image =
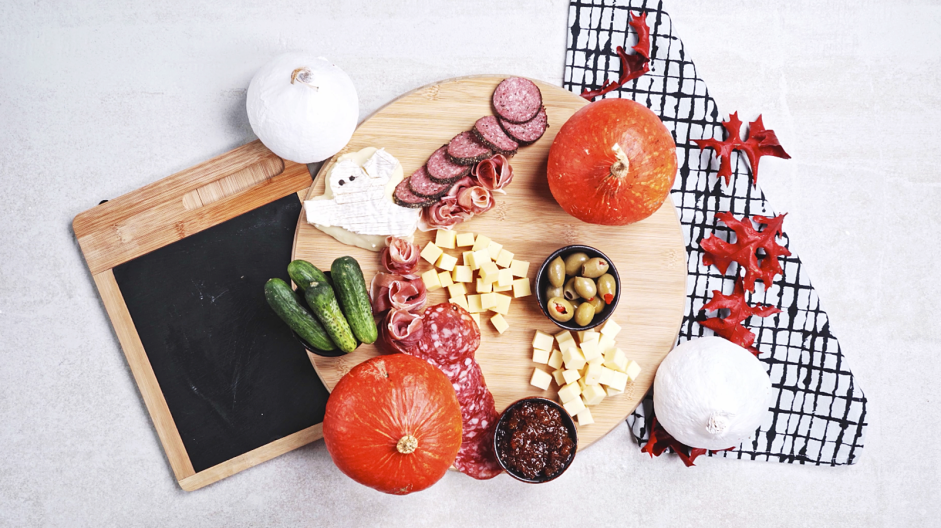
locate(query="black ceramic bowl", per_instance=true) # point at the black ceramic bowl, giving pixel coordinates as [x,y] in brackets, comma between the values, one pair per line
[502,427]
[542,281]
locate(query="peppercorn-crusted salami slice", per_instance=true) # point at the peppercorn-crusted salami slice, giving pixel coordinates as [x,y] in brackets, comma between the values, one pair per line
[465,149]
[527,133]
[404,197]
[442,170]
[452,335]
[488,131]
[420,184]
[517,99]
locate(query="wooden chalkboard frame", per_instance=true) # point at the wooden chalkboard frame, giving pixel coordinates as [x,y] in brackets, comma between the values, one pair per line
[159,214]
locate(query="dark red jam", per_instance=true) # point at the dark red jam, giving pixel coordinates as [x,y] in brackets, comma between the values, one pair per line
[534,442]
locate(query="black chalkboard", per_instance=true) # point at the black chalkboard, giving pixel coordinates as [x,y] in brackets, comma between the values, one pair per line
[232,374]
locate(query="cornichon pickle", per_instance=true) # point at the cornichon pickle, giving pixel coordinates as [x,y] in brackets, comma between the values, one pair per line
[607,287]
[585,288]
[584,314]
[569,290]
[553,291]
[560,309]
[594,267]
[573,263]
[597,303]
[556,272]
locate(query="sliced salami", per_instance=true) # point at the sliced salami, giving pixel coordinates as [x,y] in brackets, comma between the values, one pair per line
[488,131]
[451,335]
[420,184]
[465,149]
[517,99]
[527,133]
[404,197]
[442,170]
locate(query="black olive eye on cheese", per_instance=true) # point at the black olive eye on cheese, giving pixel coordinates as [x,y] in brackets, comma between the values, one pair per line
[342,182]
[352,178]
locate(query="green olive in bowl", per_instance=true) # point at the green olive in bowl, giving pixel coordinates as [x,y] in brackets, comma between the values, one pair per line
[560,309]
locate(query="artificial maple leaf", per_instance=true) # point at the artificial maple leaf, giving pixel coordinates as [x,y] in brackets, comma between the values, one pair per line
[730,326]
[632,66]
[660,440]
[744,250]
[760,142]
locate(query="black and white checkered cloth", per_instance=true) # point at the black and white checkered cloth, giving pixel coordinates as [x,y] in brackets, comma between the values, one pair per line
[819,412]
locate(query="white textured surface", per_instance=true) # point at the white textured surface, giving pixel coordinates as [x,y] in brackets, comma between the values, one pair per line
[97,99]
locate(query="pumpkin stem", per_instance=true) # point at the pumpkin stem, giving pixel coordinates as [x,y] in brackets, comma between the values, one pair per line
[620,168]
[303,76]
[407,444]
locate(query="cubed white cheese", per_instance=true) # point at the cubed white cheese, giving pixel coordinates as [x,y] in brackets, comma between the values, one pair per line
[573,358]
[555,359]
[481,242]
[503,304]
[465,239]
[588,335]
[499,323]
[610,328]
[593,374]
[505,278]
[607,376]
[457,289]
[498,288]
[593,394]
[606,343]
[460,300]
[430,278]
[559,380]
[569,392]
[476,318]
[615,360]
[481,256]
[564,334]
[633,370]
[618,380]
[540,356]
[521,288]
[611,391]
[489,271]
[445,238]
[504,259]
[444,278]
[462,274]
[470,261]
[494,249]
[590,350]
[520,268]
[574,407]
[542,340]
[446,262]
[488,300]
[431,253]
[484,287]
[473,304]
[541,379]
[570,375]
[584,417]
[567,344]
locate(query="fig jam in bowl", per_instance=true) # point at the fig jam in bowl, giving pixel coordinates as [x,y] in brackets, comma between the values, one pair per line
[535,440]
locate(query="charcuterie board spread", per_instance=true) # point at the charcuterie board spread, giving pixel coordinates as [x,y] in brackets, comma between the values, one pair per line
[649,255]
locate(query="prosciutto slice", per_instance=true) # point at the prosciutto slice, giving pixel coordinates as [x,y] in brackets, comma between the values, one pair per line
[400,331]
[494,173]
[399,256]
[475,200]
[403,292]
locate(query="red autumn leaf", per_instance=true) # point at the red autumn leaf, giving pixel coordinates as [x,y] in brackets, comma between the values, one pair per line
[760,142]
[660,440]
[632,66]
[730,326]
[744,250]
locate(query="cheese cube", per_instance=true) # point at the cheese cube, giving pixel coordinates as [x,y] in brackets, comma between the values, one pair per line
[563,335]
[590,350]
[570,375]
[488,300]
[481,242]
[444,278]
[494,249]
[607,376]
[465,239]
[593,374]
[489,271]
[618,380]
[430,278]
[445,238]
[606,343]
[559,380]
[498,288]
[446,262]
[520,268]
[521,288]
[473,304]
[484,287]
[540,356]
[460,300]
[569,392]
[615,359]
[584,417]
[610,328]
[593,394]
[504,259]
[431,253]
[573,358]
[611,391]
[542,340]
[462,274]
[632,370]
[476,318]
[470,261]
[588,335]
[541,379]
[597,361]
[555,360]
[505,278]
[581,383]
[499,323]
[457,289]
[503,304]
[481,256]
[574,407]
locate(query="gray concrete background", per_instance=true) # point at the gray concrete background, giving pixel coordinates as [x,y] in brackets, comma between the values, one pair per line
[98,98]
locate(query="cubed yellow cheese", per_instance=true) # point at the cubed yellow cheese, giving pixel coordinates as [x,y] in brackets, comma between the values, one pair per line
[574,407]
[504,259]
[540,356]
[567,344]
[607,376]
[593,394]
[584,417]
[445,238]
[590,350]
[481,256]
[430,278]
[465,239]
[569,392]
[484,287]
[503,304]
[489,271]
[581,383]
[498,288]
[457,289]
[615,359]
[462,274]
[610,328]
[555,360]
[446,262]
[473,304]
[469,260]
[499,323]
[573,358]
[588,335]
[593,374]
[488,300]
[541,379]
[481,242]
[542,340]
[504,278]
[431,253]
[559,380]
[521,288]
[563,335]
[460,300]
[520,268]
[444,278]
[606,343]
[570,375]
[618,380]
[611,391]
[494,249]
[632,370]
[476,318]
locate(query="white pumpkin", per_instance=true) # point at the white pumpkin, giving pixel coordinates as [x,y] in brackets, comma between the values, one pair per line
[711,394]
[303,108]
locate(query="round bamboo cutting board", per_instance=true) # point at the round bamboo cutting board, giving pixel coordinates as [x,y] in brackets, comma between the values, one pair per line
[649,255]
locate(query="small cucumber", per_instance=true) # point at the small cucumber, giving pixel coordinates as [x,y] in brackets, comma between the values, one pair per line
[350,288]
[323,302]
[287,304]
[303,273]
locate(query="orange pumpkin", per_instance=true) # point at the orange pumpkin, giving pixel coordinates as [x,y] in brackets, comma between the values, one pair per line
[393,423]
[613,163]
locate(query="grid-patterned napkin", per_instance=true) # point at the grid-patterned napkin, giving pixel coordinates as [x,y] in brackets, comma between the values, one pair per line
[819,412]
